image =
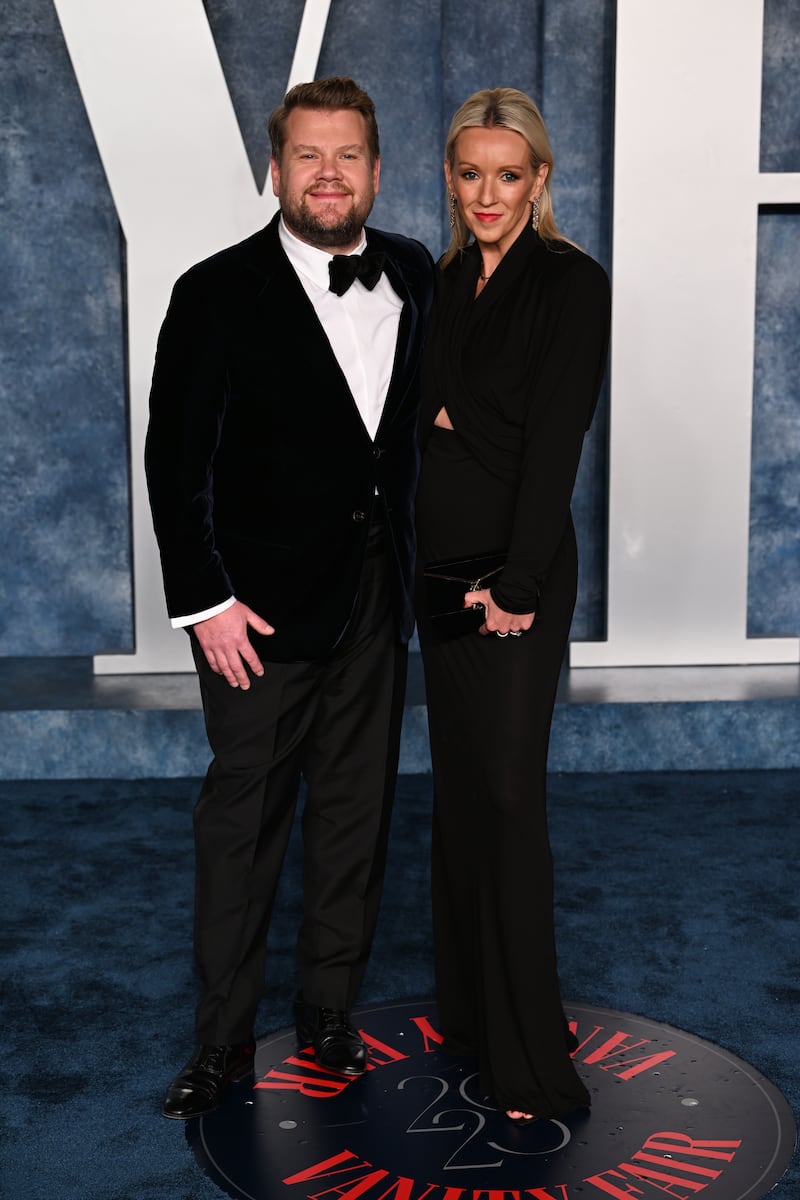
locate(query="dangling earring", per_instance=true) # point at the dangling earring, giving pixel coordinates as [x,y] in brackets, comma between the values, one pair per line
[452,210]
[535,213]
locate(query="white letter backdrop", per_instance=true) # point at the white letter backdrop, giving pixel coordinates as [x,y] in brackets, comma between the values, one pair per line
[686,196]
[178,171]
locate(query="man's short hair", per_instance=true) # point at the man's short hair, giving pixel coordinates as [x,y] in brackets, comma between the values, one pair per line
[336,92]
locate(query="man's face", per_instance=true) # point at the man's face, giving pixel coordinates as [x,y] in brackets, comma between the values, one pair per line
[326,182]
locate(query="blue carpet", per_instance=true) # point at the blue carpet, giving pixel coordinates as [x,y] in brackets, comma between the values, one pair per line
[677,898]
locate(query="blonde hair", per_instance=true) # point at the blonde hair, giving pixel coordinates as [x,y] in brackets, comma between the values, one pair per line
[504,108]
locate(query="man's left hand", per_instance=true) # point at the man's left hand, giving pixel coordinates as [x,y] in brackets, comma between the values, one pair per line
[227,648]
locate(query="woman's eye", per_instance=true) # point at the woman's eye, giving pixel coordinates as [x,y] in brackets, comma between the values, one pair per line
[509,177]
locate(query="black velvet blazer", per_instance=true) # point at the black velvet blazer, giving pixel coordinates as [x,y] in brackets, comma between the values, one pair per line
[261,473]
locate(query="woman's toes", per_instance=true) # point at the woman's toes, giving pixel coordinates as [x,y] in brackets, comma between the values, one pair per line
[521,1118]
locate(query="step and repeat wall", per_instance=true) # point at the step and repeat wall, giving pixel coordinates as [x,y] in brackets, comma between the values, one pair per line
[134,143]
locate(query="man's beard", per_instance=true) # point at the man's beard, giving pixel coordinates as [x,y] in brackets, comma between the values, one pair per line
[312,229]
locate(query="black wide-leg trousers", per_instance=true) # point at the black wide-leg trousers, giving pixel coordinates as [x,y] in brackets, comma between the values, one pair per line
[336,723]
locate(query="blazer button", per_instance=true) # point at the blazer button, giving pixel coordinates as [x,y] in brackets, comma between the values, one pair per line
[358,515]
[376,452]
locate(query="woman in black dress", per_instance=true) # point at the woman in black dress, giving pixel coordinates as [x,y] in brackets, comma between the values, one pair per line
[515,360]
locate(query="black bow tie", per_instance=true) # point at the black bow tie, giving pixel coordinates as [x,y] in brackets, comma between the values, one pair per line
[345,268]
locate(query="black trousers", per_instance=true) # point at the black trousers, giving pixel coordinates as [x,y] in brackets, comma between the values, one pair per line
[336,722]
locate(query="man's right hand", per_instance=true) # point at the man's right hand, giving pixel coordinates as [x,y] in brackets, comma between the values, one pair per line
[226,645]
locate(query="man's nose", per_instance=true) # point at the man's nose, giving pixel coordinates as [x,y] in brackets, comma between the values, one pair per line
[329,167]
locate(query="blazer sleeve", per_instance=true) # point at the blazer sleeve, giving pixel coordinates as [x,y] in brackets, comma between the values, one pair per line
[564,391]
[187,404]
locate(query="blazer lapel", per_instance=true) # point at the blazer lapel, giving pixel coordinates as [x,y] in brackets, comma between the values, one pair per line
[282,301]
[282,309]
[406,337]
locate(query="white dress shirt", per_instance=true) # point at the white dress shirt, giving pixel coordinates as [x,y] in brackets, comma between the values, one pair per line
[362,328]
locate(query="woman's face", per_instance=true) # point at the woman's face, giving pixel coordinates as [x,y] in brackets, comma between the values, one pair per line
[494,183]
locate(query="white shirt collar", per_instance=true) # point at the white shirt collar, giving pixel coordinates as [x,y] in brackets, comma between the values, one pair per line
[309,260]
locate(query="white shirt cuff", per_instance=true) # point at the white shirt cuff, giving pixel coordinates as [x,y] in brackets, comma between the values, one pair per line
[195,618]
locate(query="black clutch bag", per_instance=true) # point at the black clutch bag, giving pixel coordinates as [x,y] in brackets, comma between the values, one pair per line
[445,585]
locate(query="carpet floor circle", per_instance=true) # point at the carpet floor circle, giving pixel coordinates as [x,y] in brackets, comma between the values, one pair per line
[672,1116]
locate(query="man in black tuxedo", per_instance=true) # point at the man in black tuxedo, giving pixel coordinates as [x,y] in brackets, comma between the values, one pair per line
[281,465]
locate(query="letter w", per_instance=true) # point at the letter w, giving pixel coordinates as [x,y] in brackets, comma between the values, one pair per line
[173,154]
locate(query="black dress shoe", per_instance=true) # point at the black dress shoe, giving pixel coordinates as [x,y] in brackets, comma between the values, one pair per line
[337,1046]
[199,1087]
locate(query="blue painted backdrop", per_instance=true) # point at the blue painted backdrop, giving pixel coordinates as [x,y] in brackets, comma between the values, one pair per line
[64,518]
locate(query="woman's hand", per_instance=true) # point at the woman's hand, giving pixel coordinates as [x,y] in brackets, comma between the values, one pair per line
[498,621]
